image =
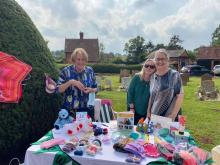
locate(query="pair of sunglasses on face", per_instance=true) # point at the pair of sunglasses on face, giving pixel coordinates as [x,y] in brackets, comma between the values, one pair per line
[149,66]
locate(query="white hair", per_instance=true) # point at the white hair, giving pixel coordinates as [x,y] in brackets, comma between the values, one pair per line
[164,52]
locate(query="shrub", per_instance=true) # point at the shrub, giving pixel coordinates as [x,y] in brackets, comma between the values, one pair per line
[23,123]
[107,68]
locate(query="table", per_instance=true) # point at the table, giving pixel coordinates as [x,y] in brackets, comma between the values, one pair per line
[107,157]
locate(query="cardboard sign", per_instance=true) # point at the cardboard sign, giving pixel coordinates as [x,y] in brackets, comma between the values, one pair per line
[81,116]
[125,120]
[165,122]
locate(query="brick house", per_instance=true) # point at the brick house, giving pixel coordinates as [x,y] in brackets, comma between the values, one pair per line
[90,45]
[208,56]
[178,58]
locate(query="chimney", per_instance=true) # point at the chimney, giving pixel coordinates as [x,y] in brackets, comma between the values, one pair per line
[81,35]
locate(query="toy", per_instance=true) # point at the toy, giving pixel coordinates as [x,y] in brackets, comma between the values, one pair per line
[68,147]
[144,127]
[98,131]
[63,118]
[93,148]
[79,126]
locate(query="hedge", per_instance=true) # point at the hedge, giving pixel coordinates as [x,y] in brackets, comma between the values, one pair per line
[23,123]
[107,68]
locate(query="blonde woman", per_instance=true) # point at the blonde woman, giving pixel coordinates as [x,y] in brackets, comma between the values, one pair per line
[139,91]
[77,81]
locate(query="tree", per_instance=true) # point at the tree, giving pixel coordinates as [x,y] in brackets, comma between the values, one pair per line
[101,51]
[216,37]
[174,43]
[191,55]
[136,50]
[23,123]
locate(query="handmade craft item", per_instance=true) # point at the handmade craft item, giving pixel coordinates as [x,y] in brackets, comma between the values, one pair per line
[52,142]
[63,118]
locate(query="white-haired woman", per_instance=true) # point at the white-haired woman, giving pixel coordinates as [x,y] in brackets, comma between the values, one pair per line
[77,81]
[165,88]
[139,91]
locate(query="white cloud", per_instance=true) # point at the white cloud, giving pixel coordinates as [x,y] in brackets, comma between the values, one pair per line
[114,22]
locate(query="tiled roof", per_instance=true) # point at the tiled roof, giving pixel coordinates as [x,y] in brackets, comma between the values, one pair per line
[90,45]
[208,53]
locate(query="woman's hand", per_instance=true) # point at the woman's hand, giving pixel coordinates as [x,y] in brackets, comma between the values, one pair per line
[131,106]
[89,90]
[78,84]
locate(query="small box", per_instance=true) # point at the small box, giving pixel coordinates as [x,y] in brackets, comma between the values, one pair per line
[125,120]
[179,138]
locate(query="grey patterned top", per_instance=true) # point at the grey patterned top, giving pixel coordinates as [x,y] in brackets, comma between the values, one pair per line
[163,90]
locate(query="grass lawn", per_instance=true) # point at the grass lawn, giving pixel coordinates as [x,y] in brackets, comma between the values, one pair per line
[203,118]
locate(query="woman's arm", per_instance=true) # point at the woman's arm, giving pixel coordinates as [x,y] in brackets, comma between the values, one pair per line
[69,83]
[179,95]
[130,98]
[177,105]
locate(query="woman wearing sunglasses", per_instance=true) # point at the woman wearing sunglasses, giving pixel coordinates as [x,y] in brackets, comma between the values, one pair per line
[139,91]
[165,88]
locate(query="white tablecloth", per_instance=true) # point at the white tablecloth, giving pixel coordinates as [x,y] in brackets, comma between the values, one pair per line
[106,157]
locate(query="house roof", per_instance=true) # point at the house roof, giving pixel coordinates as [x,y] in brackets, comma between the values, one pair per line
[172,53]
[208,53]
[90,45]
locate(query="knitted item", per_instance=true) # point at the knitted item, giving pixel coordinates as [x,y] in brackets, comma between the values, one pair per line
[133,159]
[119,146]
[135,148]
[68,147]
[51,143]
[200,155]
[168,146]
[164,152]
[78,153]
[188,159]
[163,132]
[151,150]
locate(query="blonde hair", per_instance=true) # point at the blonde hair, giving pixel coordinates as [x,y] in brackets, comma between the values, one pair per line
[164,52]
[80,51]
[141,73]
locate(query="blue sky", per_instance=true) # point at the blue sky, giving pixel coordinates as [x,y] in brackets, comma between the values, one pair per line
[114,22]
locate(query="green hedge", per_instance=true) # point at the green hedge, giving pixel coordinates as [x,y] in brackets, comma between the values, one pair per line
[107,68]
[23,123]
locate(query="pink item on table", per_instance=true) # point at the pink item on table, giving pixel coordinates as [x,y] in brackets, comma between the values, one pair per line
[52,142]
[151,150]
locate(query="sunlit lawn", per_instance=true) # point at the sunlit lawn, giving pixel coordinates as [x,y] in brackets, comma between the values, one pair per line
[203,118]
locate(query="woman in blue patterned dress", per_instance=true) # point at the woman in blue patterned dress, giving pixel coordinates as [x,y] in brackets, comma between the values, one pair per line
[76,82]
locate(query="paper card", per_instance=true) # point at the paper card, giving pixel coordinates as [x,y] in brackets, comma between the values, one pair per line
[81,115]
[125,120]
[165,122]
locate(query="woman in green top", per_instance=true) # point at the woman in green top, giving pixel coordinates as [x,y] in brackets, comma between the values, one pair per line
[139,91]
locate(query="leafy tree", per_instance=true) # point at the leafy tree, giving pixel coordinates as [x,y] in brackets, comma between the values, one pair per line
[191,55]
[23,123]
[216,37]
[101,51]
[174,43]
[118,60]
[136,50]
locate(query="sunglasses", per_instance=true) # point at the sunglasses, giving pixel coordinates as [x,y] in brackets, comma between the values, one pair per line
[150,66]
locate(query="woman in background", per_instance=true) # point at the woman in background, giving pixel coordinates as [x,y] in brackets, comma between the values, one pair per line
[139,91]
